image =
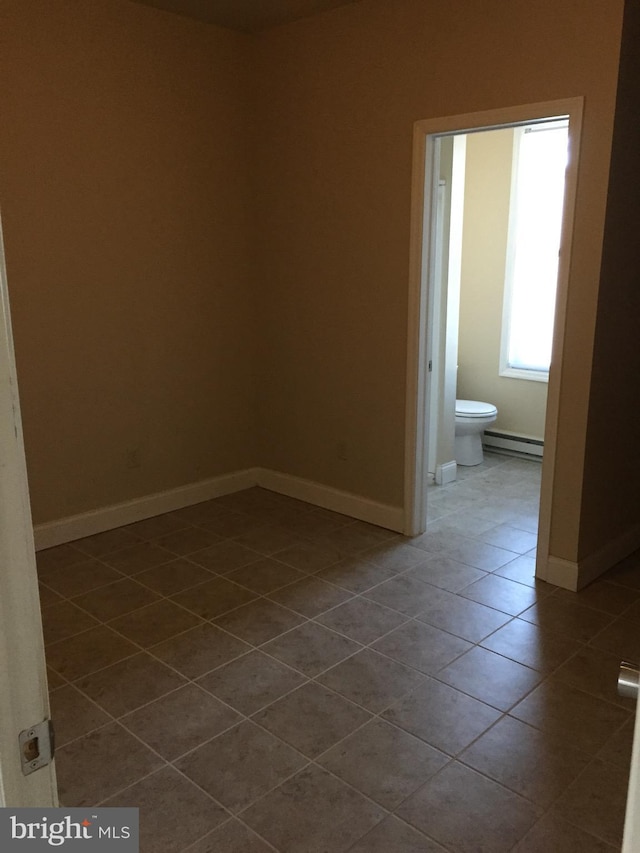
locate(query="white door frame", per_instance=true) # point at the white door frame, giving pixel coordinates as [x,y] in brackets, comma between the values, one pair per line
[631,838]
[443,309]
[421,247]
[433,334]
[24,698]
[424,179]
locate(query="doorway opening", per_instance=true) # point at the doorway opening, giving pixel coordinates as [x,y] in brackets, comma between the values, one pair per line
[442,150]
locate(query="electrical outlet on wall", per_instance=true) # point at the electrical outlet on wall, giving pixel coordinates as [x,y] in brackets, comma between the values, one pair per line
[132,458]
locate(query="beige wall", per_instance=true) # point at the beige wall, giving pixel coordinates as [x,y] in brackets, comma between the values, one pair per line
[611,506]
[127,199]
[124,193]
[337,99]
[521,402]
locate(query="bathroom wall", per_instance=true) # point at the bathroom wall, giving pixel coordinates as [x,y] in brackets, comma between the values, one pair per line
[125,190]
[521,402]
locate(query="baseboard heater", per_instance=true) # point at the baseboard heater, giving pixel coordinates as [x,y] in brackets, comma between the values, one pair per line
[512,443]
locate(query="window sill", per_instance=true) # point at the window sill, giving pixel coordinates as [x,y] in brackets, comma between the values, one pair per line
[531,375]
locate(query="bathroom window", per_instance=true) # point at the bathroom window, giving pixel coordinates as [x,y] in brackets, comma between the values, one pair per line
[535,219]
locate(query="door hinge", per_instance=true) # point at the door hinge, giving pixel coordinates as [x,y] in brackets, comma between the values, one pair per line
[430,365]
[37,746]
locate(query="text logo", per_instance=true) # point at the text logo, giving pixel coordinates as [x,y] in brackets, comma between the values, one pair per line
[73,830]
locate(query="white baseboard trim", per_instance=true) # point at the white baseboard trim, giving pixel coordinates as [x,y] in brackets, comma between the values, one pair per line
[446,473]
[107,518]
[595,564]
[576,575]
[562,573]
[383,515]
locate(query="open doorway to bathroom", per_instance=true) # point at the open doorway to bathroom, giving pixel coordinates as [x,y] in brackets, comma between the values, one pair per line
[467,318]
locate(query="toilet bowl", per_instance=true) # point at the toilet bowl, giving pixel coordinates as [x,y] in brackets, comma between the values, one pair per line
[472,418]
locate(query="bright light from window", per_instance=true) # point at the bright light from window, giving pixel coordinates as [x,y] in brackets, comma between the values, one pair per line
[535,243]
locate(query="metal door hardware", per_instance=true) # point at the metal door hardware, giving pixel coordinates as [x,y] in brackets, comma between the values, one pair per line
[37,745]
[628,679]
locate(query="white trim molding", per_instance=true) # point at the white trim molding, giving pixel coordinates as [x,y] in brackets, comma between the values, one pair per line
[425,175]
[576,575]
[446,473]
[364,509]
[107,518]
[562,573]
[24,698]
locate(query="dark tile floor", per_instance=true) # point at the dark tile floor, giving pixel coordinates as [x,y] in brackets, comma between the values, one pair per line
[256,674]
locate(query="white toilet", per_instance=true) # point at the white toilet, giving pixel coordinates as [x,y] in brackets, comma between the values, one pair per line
[472,418]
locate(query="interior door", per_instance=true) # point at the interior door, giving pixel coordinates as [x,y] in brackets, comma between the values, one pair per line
[631,841]
[24,698]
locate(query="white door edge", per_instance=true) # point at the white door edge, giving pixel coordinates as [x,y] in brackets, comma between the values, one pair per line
[23,681]
[423,177]
[631,838]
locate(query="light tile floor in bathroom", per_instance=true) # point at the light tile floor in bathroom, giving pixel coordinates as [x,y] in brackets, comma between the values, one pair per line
[256,674]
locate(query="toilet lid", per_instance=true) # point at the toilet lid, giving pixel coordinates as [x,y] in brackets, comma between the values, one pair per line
[474,409]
